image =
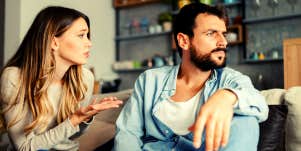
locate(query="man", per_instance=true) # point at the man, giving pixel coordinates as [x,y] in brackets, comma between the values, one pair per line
[197,105]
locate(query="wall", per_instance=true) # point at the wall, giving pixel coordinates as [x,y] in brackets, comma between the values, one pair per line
[20,14]
[1,32]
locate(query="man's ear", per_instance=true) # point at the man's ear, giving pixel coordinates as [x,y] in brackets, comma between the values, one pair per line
[184,41]
[54,43]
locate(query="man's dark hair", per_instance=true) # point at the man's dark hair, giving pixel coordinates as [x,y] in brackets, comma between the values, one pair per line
[184,21]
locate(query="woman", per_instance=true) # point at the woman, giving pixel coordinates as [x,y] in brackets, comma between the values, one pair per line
[45,91]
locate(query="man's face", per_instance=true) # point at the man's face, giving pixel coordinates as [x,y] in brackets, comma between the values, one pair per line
[206,62]
[208,46]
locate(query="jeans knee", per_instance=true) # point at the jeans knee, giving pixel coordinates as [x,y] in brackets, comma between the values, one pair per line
[244,134]
[245,126]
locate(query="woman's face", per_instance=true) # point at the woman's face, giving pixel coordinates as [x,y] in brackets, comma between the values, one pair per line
[73,46]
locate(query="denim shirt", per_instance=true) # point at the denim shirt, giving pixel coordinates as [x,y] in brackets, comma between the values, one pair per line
[139,129]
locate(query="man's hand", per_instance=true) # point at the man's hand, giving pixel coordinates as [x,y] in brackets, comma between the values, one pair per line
[85,113]
[215,116]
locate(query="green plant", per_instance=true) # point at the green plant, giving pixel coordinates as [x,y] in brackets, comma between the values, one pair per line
[164,16]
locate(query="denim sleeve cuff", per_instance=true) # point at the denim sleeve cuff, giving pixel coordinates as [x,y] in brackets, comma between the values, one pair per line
[238,94]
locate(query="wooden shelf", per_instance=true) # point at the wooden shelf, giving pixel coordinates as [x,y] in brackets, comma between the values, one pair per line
[262,61]
[230,4]
[130,3]
[267,19]
[132,37]
[237,29]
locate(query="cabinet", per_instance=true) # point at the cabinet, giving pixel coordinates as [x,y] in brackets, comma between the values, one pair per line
[267,24]
[139,38]
[137,46]
[292,62]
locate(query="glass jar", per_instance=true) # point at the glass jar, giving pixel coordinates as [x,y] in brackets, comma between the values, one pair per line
[182,3]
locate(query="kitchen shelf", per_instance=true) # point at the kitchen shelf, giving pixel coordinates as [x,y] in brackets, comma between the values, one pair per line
[237,29]
[227,5]
[130,3]
[262,61]
[267,19]
[132,70]
[133,37]
[230,4]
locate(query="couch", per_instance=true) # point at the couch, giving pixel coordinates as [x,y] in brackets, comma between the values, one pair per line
[280,131]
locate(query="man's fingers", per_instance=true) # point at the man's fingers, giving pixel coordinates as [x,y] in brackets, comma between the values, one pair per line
[226,133]
[218,135]
[210,133]
[198,131]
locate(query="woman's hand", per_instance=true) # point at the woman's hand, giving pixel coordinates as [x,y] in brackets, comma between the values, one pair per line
[85,113]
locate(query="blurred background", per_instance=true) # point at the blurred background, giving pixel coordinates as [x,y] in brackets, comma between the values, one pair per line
[130,36]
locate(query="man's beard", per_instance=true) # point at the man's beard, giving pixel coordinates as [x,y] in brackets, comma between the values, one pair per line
[205,62]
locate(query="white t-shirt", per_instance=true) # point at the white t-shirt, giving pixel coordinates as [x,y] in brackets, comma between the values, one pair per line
[179,116]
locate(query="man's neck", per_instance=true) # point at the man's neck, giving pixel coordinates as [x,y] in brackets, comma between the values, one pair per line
[192,75]
[190,80]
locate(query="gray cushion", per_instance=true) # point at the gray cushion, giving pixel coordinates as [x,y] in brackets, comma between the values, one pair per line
[274,96]
[293,127]
[111,115]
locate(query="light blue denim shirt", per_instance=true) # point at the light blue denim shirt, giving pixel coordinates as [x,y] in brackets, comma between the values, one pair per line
[139,129]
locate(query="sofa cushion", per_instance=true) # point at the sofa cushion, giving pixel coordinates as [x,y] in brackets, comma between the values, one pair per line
[111,115]
[272,131]
[102,129]
[98,133]
[293,127]
[274,96]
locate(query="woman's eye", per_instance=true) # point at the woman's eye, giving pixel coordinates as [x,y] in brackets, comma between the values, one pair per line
[81,36]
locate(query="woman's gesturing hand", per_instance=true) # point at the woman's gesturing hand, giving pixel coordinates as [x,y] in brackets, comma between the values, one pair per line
[85,113]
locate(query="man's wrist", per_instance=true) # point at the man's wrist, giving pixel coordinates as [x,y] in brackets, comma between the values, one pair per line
[231,96]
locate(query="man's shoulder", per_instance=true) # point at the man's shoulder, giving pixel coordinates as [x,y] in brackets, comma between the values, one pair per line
[228,70]
[160,71]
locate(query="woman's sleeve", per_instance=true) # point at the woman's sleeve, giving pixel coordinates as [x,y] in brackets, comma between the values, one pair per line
[46,140]
[89,80]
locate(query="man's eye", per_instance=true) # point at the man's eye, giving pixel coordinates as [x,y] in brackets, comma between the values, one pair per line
[209,33]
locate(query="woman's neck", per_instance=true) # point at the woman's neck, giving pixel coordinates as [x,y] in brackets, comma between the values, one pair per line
[60,71]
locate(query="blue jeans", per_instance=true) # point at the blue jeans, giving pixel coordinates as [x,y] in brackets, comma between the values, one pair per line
[244,135]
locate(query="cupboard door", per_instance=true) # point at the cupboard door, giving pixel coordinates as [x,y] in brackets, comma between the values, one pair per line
[292,62]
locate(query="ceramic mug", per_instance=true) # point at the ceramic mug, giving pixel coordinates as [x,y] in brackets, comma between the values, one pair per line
[231,37]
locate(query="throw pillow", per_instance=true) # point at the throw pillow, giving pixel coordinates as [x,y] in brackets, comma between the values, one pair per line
[293,127]
[272,131]
[274,96]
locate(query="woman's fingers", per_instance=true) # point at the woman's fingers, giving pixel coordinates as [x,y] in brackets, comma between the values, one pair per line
[84,113]
[107,104]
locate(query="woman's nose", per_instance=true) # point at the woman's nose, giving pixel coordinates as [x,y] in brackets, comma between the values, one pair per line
[89,43]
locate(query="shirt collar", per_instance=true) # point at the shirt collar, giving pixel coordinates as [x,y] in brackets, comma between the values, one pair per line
[171,80]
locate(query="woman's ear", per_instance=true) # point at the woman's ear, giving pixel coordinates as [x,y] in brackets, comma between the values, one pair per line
[54,43]
[184,41]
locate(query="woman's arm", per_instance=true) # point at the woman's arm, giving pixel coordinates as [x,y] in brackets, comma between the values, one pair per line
[55,135]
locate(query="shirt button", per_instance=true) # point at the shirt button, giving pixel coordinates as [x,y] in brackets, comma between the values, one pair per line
[166,131]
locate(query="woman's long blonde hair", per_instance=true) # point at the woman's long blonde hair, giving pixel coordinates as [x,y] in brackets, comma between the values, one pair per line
[36,63]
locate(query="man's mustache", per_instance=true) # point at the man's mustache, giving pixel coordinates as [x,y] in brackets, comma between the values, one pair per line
[219,49]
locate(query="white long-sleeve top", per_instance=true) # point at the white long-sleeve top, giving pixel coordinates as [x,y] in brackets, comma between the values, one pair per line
[57,136]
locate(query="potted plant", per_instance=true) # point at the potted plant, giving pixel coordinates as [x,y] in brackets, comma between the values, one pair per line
[165,19]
